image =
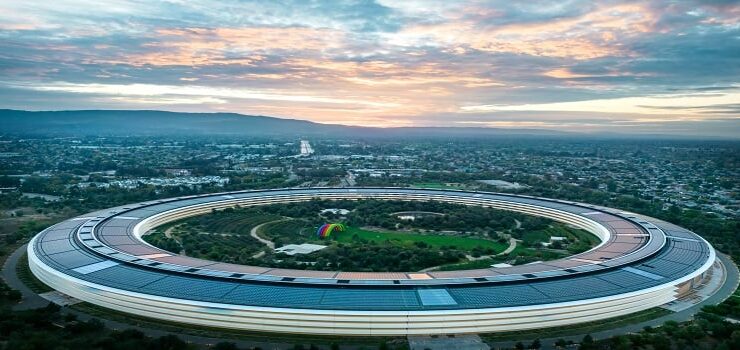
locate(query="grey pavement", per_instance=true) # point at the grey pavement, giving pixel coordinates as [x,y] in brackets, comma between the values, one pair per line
[30,299]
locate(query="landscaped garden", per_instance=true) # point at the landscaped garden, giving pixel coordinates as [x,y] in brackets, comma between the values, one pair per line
[375,236]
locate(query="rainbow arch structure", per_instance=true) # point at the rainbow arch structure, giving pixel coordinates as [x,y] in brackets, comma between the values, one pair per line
[325,230]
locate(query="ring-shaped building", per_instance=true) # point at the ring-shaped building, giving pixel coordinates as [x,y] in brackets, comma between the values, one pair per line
[641,262]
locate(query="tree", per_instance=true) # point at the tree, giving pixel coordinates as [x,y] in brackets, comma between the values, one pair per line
[587,343]
[169,342]
[225,346]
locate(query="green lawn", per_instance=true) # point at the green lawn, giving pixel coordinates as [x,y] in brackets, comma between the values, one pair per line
[28,278]
[408,239]
[583,236]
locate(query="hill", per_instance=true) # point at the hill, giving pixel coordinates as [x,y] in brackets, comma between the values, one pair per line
[146,122]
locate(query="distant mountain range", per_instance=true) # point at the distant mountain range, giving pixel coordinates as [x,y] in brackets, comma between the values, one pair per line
[144,122]
[161,123]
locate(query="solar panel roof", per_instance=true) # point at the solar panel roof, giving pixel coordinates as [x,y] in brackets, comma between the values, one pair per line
[622,265]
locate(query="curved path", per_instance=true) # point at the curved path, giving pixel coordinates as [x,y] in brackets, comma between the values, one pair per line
[253,232]
[510,248]
[30,300]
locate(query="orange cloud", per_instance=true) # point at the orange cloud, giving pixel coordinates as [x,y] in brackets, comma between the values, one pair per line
[584,37]
[565,73]
[241,46]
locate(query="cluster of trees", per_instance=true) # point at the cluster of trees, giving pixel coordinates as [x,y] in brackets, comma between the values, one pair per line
[707,331]
[76,201]
[47,328]
[454,217]
[729,308]
[25,230]
[358,255]
[8,295]
[379,213]
[223,235]
[291,231]
[362,255]
[724,234]
[159,239]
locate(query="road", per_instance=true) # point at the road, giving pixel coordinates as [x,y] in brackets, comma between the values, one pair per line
[306,149]
[30,299]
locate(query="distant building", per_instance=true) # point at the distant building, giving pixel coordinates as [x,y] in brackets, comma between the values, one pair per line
[335,211]
[305,248]
[503,184]
[177,172]
[8,189]
[45,197]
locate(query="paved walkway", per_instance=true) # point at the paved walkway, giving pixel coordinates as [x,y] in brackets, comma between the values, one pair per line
[168,234]
[518,223]
[267,242]
[510,248]
[30,299]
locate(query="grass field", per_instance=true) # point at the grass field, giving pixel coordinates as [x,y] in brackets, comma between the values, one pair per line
[408,239]
[23,271]
[583,236]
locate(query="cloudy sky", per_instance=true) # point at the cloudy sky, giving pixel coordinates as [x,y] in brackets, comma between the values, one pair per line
[604,66]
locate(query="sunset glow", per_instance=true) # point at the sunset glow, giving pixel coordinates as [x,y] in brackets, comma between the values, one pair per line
[665,67]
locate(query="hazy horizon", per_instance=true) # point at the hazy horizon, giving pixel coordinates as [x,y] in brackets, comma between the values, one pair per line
[618,66]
